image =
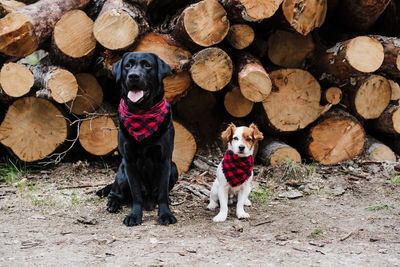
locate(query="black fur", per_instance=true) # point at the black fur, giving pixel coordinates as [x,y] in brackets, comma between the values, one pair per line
[147,172]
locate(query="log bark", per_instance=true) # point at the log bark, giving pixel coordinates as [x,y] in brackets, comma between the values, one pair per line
[33,128]
[15,80]
[24,29]
[176,56]
[8,6]
[89,96]
[119,25]
[290,49]
[211,69]
[389,121]
[368,96]
[361,15]
[273,151]
[240,36]
[236,104]
[332,95]
[395,90]
[201,25]
[388,22]
[293,103]
[250,10]
[254,82]
[305,15]
[376,150]
[73,43]
[391,62]
[98,135]
[353,57]
[184,148]
[334,137]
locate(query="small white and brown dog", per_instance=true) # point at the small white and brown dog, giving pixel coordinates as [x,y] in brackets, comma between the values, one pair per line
[235,172]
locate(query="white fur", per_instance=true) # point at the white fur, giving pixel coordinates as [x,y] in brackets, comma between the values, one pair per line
[222,191]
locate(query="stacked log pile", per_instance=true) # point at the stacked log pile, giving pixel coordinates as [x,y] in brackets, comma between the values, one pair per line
[321,79]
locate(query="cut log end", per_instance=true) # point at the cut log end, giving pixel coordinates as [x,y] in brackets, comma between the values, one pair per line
[176,85]
[273,151]
[211,69]
[73,34]
[365,54]
[115,30]
[63,86]
[206,23]
[333,95]
[99,136]
[17,36]
[240,36]
[395,90]
[89,96]
[254,83]
[375,150]
[284,154]
[184,148]
[15,79]
[236,104]
[33,128]
[260,9]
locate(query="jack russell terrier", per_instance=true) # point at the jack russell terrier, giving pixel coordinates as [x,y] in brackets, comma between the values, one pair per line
[235,172]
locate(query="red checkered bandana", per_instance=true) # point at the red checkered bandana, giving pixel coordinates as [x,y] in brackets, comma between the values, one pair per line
[143,123]
[237,170]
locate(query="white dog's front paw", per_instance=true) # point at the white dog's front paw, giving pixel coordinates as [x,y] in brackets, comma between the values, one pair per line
[212,205]
[242,214]
[221,217]
[247,203]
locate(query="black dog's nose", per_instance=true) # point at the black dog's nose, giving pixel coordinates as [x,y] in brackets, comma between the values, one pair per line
[241,148]
[133,77]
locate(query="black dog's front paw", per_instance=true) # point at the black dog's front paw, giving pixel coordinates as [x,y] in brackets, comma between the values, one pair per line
[133,219]
[113,205]
[166,218]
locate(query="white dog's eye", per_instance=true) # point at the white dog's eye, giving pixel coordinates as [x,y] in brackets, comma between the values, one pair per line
[248,139]
[235,138]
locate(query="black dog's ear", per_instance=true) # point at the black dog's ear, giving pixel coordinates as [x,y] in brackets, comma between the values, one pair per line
[163,69]
[116,69]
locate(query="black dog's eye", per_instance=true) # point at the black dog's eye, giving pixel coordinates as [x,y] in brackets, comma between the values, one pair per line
[146,64]
[235,138]
[128,66]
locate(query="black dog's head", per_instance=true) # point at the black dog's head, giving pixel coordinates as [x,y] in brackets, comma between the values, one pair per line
[140,76]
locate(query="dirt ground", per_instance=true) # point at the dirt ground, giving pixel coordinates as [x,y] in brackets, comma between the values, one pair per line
[302,215]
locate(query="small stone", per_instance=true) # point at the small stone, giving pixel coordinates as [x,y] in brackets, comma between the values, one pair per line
[293,194]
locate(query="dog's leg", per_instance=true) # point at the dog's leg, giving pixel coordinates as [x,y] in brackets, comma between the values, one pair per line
[135,215]
[242,197]
[165,215]
[223,204]
[213,196]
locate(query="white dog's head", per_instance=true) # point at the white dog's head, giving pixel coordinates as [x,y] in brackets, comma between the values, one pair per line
[242,140]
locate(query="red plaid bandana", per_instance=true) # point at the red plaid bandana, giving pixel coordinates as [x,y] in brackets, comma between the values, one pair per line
[237,170]
[143,123]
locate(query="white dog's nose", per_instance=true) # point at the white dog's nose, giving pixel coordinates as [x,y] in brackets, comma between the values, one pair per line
[241,148]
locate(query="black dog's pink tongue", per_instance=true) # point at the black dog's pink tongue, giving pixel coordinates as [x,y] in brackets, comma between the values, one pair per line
[135,96]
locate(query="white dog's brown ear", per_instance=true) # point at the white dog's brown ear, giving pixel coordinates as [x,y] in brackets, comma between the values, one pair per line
[257,135]
[227,135]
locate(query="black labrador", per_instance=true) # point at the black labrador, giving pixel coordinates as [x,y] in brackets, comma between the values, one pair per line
[147,172]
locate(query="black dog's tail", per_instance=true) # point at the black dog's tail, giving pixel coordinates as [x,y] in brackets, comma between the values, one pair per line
[104,191]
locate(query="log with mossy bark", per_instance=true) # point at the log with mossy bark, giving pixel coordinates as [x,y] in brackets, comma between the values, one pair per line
[22,30]
[391,62]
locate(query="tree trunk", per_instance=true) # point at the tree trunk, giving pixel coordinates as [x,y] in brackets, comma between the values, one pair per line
[8,6]
[361,15]
[332,95]
[389,121]
[236,104]
[395,90]
[368,97]
[177,57]
[359,55]
[184,148]
[305,15]
[33,128]
[250,10]
[391,62]
[15,80]
[254,81]
[24,29]
[73,42]
[211,69]
[98,135]
[376,150]
[201,25]
[119,25]
[292,104]
[89,96]
[240,36]
[273,151]
[289,49]
[335,137]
